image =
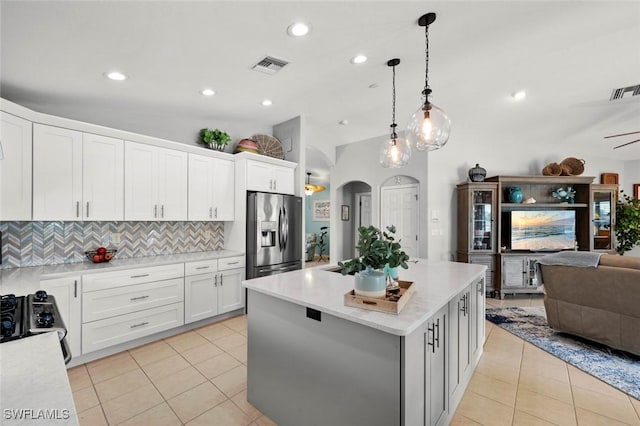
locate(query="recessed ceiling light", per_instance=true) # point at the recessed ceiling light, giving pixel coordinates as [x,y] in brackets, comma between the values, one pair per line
[343,122]
[266,102]
[358,59]
[115,75]
[207,92]
[298,29]
[519,95]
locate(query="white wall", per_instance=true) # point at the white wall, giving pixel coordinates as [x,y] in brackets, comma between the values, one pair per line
[359,162]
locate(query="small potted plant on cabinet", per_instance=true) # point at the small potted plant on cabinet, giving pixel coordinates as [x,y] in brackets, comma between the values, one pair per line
[377,250]
[214,139]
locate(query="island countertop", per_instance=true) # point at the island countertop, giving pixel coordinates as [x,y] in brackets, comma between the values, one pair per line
[35,386]
[436,283]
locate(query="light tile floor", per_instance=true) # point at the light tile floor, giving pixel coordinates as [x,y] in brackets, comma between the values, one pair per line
[199,378]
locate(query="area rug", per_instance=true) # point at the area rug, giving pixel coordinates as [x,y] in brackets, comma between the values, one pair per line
[619,369]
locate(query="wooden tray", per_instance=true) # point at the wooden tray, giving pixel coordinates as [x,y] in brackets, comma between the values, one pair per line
[388,304]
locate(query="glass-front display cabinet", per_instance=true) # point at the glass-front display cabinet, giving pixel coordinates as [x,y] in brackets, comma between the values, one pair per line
[603,213]
[477,204]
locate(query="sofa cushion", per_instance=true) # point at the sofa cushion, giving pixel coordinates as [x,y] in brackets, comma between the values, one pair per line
[620,261]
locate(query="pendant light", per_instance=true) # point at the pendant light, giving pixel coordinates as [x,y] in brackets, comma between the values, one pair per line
[429,127]
[310,189]
[396,151]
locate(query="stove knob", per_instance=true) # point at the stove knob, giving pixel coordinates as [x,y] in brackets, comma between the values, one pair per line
[45,319]
[40,296]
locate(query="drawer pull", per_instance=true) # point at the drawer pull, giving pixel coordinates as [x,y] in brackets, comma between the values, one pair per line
[203,267]
[139,276]
[233,263]
[138,298]
[140,325]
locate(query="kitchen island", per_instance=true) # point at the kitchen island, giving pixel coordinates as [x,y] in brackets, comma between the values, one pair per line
[314,361]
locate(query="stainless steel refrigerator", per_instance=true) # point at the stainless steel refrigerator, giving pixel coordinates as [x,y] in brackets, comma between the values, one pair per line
[274,234]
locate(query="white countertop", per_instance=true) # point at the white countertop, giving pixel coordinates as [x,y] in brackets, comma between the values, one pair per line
[35,383]
[21,281]
[436,282]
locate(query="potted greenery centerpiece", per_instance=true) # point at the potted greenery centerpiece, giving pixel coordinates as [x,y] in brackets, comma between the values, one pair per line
[214,139]
[627,226]
[377,250]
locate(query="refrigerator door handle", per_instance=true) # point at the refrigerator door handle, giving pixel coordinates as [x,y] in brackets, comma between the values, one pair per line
[280,229]
[285,234]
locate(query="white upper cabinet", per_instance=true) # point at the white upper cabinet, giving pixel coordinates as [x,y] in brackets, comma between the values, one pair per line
[155,183]
[62,159]
[102,177]
[267,177]
[211,189]
[15,168]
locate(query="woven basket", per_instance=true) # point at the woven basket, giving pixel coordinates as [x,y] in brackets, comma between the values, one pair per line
[552,169]
[572,166]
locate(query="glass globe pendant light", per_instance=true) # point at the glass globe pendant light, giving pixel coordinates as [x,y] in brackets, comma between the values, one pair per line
[429,127]
[396,151]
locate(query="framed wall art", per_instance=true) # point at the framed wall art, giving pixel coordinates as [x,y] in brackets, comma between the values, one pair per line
[321,210]
[345,212]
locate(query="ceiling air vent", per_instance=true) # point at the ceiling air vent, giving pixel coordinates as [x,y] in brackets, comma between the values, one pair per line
[625,92]
[269,65]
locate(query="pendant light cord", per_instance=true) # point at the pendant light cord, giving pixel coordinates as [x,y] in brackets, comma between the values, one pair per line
[393,102]
[427,89]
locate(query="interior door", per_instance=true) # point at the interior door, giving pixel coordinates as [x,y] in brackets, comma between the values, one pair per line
[399,207]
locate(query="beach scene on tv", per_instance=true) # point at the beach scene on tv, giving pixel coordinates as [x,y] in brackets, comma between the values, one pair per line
[543,230]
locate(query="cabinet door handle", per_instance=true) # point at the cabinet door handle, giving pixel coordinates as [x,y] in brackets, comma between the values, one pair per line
[87,209]
[203,267]
[139,325]
[162,211]
[139,276]
[233,263]
[215,212]
[432,343]
[220,280]
[210,212]
[215,281]
[77,208]
[75,289]
[436,338]
[155,211]
[133,299]
[275,185]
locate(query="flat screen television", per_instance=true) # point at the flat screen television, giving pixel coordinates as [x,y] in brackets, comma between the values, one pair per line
[543,230]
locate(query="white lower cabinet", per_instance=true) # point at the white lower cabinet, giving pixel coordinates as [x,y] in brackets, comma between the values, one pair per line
[125,305]
[459,342]
[212,288]
[436,368]
[123,328]
[67,293]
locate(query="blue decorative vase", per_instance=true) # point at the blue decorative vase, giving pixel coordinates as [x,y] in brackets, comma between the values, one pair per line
[391,272]
[370,283]
[515,194]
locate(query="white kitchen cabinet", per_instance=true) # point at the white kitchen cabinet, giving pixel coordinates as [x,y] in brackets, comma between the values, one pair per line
[266,177]
[435,368]
[460,342]
[124,305]
[102,178]
[67,293]
[211,189]
[213,287]
[15,168]
[155,183]
[76,176]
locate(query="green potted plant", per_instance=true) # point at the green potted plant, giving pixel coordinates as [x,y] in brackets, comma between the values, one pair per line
[214,139]
[377,250]
[627,226]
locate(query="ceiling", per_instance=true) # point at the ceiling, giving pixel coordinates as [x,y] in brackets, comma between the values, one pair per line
[568,56]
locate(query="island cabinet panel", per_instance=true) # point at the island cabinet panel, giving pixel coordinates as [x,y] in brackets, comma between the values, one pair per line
[320,372]
[459,343]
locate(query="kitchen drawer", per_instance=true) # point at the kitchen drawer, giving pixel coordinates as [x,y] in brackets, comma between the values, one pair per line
[101,304]
[127,277]
[230,263]
[200,267]
[113,331]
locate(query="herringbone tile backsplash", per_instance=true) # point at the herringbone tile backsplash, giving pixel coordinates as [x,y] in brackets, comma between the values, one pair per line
[49,243]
